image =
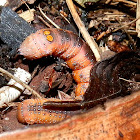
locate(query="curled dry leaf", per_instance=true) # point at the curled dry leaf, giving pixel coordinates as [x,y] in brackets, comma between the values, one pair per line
[12,90]
[105,77]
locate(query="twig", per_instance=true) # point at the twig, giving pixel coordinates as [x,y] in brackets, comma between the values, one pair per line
[126,25]
[20,82]
[126,2]
[93,45]
[130,81]
[26,4]
[64,17]
[35,71]
[130,38]
[138,15]
[55,25]
[12,104]
[47,24]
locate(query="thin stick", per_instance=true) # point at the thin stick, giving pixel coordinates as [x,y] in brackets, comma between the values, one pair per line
[47,24]
[126,25]
[35,71]
[138,15]
[20,82]
[64,18]
[12,104]
[55,25]
[132,4]
[26,5]
[93,45]
[130,38]
[130,81]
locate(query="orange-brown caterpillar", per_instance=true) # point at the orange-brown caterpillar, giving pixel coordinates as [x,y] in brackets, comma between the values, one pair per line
[32,111]
[66,45]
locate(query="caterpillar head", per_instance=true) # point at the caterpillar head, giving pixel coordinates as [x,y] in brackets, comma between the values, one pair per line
[35,46]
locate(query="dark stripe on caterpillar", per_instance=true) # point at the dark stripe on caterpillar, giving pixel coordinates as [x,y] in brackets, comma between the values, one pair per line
[66,45]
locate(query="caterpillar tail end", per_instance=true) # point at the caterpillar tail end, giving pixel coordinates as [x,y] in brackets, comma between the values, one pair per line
[19,114]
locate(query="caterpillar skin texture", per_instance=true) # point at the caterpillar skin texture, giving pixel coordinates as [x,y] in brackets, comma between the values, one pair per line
[32,111]
[66,45]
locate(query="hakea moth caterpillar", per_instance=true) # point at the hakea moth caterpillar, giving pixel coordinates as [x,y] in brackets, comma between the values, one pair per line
[63,44]
[66,45]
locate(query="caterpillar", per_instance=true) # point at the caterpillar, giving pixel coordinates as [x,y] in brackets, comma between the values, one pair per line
[66,45]
[32,111]
[77,55]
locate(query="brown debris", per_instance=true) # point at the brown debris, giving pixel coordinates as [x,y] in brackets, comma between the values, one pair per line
[138,21]
[49,79]
[14,4]
[116,47]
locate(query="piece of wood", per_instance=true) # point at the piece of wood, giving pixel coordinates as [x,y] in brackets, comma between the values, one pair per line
[119,121]
[13,29]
